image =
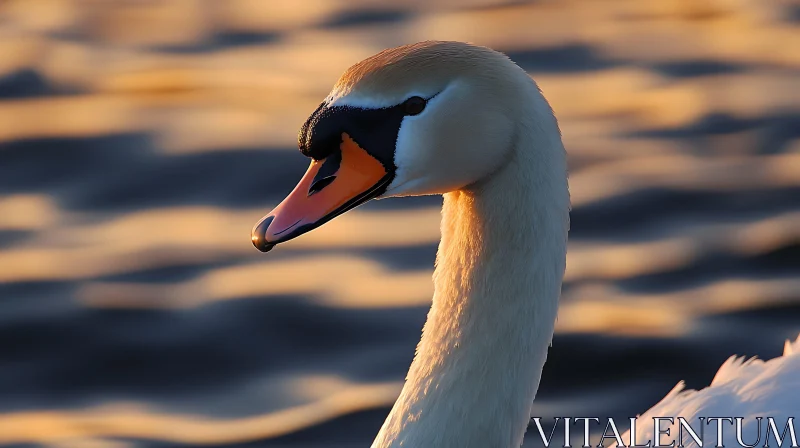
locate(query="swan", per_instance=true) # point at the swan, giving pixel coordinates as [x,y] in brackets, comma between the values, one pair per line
[466,122]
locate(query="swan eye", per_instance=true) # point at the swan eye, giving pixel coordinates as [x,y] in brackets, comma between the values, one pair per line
[414,105]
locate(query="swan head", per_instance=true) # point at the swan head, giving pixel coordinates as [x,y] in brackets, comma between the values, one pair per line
[427,118]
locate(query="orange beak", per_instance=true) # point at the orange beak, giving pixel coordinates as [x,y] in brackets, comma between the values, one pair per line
[324,192]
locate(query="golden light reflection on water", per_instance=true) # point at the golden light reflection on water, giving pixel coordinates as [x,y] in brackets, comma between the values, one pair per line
[334,280]
[82,247]
[149,239]
[129,420]
[26,212]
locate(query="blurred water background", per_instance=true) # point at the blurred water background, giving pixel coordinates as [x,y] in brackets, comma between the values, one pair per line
[141,140]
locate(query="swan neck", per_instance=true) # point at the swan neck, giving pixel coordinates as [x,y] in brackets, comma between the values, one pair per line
[497,281]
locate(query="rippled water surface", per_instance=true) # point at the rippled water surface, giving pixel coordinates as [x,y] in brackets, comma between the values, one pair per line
[140,141]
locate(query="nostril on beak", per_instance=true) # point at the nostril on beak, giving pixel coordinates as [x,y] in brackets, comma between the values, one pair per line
[318,185]
[259,235]
[327,173]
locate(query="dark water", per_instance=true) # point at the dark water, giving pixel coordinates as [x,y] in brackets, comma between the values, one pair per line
[127,314]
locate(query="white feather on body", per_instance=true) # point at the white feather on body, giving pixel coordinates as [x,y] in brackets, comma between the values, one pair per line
[741,388]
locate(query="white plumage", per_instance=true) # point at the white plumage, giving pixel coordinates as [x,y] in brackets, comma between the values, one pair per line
[489,142]
[741,388]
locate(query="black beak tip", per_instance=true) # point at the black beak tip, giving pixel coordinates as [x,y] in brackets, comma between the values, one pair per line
[259,237]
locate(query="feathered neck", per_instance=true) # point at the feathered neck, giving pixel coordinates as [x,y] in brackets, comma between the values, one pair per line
[497,281]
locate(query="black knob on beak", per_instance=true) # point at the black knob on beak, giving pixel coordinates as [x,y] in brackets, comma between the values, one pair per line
[259,237]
